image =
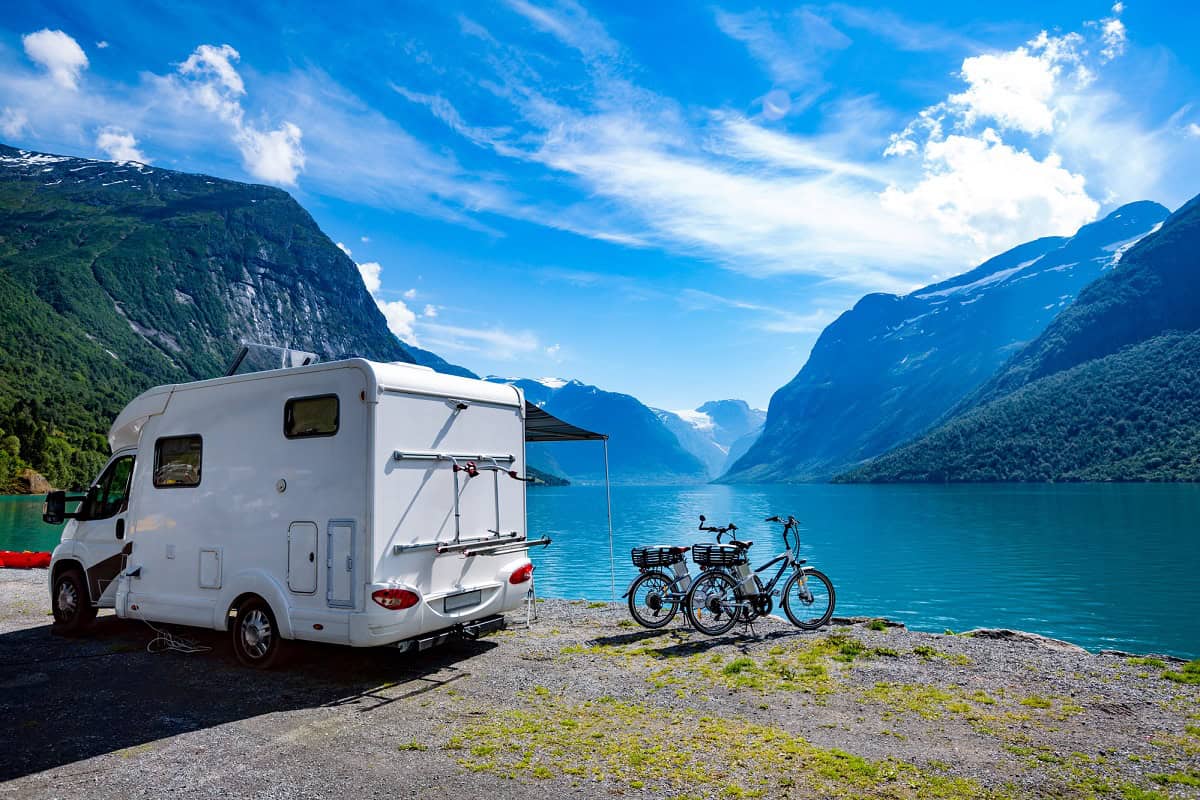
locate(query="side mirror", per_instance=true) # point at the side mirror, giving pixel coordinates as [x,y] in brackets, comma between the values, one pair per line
[702,518]
[54,510]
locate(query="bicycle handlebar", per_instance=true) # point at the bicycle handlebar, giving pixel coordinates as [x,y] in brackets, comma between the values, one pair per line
[719,531]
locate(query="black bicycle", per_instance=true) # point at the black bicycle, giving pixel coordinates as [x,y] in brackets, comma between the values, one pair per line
[655,595]
[728,590]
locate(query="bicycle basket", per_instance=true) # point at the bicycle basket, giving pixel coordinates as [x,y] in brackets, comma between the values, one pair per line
[718,555]
[656,556]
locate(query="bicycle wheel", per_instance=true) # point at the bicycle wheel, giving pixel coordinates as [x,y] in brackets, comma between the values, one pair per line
[648,603]
[809,604]
[711,605]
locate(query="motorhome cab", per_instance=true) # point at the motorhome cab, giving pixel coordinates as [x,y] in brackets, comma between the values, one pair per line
[350,502]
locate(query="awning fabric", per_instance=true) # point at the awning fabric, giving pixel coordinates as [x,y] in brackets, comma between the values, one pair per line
[541,426]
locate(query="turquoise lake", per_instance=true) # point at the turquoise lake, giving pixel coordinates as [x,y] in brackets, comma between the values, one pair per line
[1104,566]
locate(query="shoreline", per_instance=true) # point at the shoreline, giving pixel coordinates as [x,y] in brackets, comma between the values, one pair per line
[584,703]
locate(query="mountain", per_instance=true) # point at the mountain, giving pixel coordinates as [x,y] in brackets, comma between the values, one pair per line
[641,449]
[892,366]
[118,276]
[718,432]
[1109,391]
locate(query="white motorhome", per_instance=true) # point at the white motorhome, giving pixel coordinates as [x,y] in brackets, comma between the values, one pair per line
[349,502]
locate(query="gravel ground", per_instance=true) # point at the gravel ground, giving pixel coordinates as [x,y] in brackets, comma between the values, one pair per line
[584,704]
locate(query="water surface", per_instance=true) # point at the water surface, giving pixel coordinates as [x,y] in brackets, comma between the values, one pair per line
[1101,565]
[1104,566]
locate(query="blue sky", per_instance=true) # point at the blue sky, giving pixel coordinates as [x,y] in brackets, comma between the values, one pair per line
[666,199]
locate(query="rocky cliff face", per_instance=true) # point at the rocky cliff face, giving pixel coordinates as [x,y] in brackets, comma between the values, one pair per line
[892,366]
[169,270]
[118,276]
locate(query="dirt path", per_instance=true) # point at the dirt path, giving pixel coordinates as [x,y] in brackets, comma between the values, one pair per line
[585,705]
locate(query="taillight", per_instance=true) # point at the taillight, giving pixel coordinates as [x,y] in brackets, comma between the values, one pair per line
[522,574]
[395,599]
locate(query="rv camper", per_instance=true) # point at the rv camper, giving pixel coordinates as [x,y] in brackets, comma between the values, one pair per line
[349,502]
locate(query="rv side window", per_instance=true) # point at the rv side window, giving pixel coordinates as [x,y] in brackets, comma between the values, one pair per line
[177,461]
[310,416]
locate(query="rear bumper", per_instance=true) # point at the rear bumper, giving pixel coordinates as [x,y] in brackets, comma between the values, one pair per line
[379,626]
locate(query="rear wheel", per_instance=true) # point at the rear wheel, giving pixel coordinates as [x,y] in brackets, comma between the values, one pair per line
[256,639]
[808,603]
[72,607]
[648,603]
[711,605]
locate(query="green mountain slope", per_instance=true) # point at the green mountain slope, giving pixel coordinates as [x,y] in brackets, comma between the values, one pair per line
[1109,391]
[1131,416]
[118,276]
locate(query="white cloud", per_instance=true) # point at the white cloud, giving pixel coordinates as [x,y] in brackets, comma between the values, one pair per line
[102,45]
[410,294]
[365,239]
[400,319]
[344,249]
[273,156]
[119,145]
[1014,89]
[493,342]
[1193,129]
[58,54]
[994,194]
[210,80]
[430,311]
[790,47]
[13,122]
[370,274]
[554,352]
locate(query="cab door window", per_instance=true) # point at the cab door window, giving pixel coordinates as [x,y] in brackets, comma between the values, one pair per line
[110,494]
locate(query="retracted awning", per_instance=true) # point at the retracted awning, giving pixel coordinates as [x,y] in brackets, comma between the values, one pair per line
[541,426]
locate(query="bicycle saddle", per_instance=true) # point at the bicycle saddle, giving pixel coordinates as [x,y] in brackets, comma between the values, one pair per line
[742,545]
[678,549]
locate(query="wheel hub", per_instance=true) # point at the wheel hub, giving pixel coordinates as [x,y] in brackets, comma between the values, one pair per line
[256,633]
[654,601]
[68,599]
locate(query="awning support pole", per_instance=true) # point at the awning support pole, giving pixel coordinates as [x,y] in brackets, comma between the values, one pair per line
[612,561]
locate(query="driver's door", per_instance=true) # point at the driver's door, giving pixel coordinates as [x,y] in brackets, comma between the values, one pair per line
[100,528]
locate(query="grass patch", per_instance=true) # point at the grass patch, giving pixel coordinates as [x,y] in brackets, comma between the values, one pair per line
[417,746]
[1145,662]
[877,625]
[1189,778]
[1131,791]
[673,753]
[1037,701]
[930,653]
[597,604]
[1189,673]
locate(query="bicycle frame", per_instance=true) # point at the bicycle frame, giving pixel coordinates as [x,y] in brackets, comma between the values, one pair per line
[789,558]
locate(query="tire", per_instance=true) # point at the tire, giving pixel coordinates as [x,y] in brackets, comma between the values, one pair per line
[707,603]
[656,586]
[71,604]
[256,639]
[816,610]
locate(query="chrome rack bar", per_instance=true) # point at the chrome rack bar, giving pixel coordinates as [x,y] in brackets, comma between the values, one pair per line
[507,538]
[434,455]
[506,547]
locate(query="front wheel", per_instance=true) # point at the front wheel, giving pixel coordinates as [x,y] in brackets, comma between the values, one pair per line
[711,605]
[69,601]
[808,599]
[648,603]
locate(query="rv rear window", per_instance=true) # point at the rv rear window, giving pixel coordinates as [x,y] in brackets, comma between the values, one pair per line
[177,461]
[310,416]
